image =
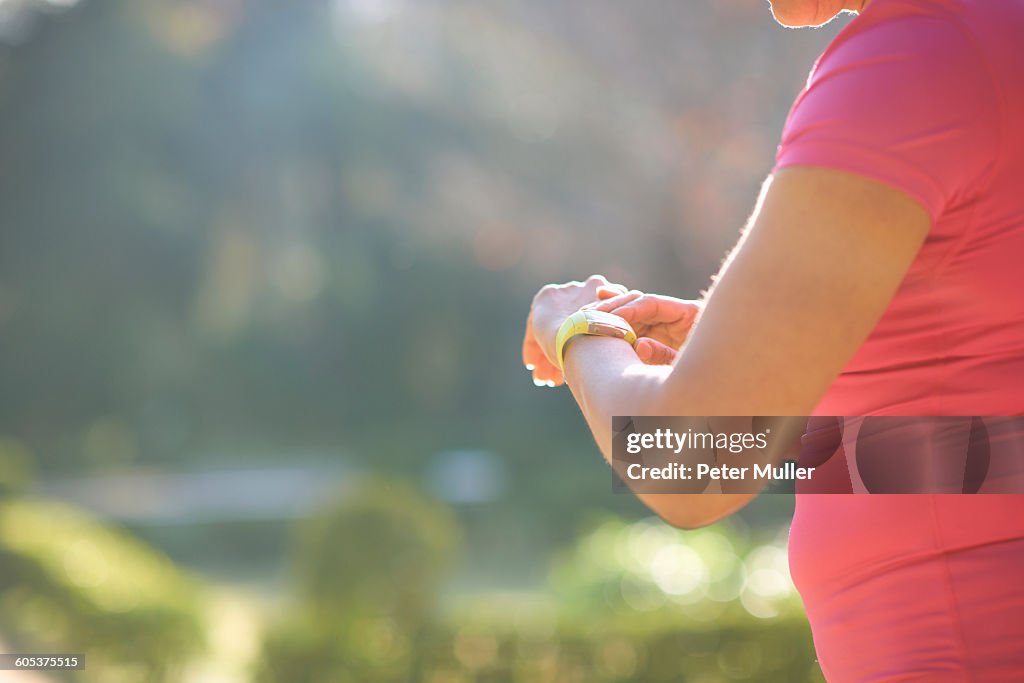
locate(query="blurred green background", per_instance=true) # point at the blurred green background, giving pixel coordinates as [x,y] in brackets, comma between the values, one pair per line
[263,273]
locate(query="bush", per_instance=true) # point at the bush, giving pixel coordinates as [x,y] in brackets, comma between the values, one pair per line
[68,583]
[368,568]
[627,602]
[621,651]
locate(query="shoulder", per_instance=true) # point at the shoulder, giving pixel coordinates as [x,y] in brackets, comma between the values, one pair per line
[931,35]
[905,96]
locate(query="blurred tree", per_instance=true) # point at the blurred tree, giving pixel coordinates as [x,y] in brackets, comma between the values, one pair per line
[243,224]
[369,568]
[264,227]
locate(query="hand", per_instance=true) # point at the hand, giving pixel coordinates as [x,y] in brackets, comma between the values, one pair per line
[662,323]
[551,306]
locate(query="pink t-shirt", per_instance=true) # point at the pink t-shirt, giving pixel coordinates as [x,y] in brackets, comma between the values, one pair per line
[926,96]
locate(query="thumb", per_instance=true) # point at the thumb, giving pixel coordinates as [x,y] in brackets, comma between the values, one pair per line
[653,352]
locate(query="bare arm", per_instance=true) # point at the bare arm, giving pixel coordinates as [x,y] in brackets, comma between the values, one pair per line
[822,258]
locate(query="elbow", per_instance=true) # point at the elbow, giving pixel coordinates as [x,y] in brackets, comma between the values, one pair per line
[695,510]
[690,520]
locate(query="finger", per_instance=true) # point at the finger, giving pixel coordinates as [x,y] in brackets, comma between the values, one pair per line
[550,383]
[532,353]
[651,309]
[653,352]
[643,307]
[596,282]
[609,291]
[527,339]
[544,369]
[616,301]
[544,372]
[547,374]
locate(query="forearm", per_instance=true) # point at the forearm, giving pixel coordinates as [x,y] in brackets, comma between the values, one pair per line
[607,379]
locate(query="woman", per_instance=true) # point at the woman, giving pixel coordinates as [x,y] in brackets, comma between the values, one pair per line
[880,275]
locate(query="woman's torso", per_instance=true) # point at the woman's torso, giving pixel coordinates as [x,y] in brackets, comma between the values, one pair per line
[927,587]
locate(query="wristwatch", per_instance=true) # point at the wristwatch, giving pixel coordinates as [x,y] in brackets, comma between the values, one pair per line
[597,323]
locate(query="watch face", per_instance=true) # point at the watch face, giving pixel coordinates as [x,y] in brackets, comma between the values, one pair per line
[605,330]
[608,325]
[606,319]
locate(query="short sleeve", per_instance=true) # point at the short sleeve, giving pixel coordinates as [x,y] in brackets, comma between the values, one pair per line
[907,101]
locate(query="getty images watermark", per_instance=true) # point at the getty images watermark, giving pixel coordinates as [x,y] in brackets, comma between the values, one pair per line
[863,454]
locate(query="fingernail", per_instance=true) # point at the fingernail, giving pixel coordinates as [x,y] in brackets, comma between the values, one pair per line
[539,382]
[530,366]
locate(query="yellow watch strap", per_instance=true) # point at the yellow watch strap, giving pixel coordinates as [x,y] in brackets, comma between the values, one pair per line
[573,325]
[598,323]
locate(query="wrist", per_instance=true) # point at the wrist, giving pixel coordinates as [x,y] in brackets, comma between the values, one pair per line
[582,349]
[548,344]
[545,331]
